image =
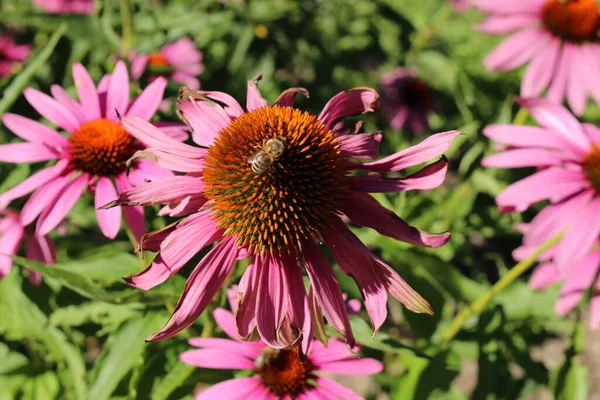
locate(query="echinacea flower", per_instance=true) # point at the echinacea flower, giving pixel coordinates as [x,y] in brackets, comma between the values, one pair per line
[94,154]
[460,5]
[66,6]
[558,38]
[280,208]
[276,374]
[12,234]
[179,61]
[407,100]
[567,156]
[11,53]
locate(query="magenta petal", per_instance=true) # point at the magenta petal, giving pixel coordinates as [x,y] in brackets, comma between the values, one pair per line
[364,210]
[517,49]
[66,100]
[10,240]
[327,290]
[33,131]
[117,96]
[161,191]
[26,152]
[429,148]
[579,279]
[347,103]
[545,275]
[270,300]
[200,288]
[88,95]
[429,177]
[288,96]
[216,358]
[40,248]
[189,237]
[33,182]
[63,204]
[205,118]
[540,69]
[246,313]
[360,146]
[230,105]
[134,215]
[43,198]
[145,105]
[226,321]
[341,391]
[52,110]
[358,366]
[108,220]
[250,350]
[233,389]
[254,99]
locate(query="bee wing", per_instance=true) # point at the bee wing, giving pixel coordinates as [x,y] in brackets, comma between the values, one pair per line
[252,158]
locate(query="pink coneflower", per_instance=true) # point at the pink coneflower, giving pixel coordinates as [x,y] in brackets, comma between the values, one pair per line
[66,6]
[272,183]
[11,54]
[567,155]
[407,100]
[276,374]
[12,235]
[460,5]
[94,155]
[179,61]
[559,40]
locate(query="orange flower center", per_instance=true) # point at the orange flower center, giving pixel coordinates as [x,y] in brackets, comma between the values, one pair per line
[156,59]
[276,175]
[102,147]
[591,167]
[574,20]
[283,372]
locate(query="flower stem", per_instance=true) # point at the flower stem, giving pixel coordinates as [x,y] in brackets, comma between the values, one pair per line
[427,32]
[127,30]
[479,305]
[521,117]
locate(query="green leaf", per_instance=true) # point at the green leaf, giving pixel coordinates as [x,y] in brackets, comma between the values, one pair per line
[15,89]
[570,381]
[173,380]
[121,353]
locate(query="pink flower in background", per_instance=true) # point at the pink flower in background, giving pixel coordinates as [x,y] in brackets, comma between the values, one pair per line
[559,40]
[460,5]
[12,235]
[407,100]
[94,154]
[181,59]
[66,6]
[11,53]
[276,374]
[272,183]
[567,156]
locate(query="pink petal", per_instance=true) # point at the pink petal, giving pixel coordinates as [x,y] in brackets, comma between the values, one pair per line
[288,97]
[337,389]
[347,103]
[33,131]
[174,130]
[429,177]
[138,65]
[43,198]
[254,99]
[216,358]
[108,220]
[429,148]
[358,366]
[249,350]
[160,192]
[270,300]
[63,204]
[541,69]
[233,389]
[230,105]
[335,350]
[519,158]
[591,69]
[576,86]
[134,215]
[595,310]
[578,281]
[364,210]
[145,105]
[327,290]
[185,241]
[26,152]
[34,181]
[545,275]
[560,76]
[86,90]
[117,96]
[40,248]
[246,313]
[580,236]
[226,321]
[66,100]
[517,49]
[553,183]
[10,240]
[510,6]
[205,118]
[360,146]
[501,24]
[200,288]
[52,110]
[355,260]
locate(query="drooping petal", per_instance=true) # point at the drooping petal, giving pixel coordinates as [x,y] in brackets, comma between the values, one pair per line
[288,97]
[200,288]
[134,215]
[246,313]
[230,105]
[347,103]
[109,220]
[364,210]
[178,247]
[360,146]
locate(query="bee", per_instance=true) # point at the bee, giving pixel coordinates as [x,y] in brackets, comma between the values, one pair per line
[265,357]
[268,153]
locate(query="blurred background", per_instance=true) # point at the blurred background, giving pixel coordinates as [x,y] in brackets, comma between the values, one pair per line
[80,334]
